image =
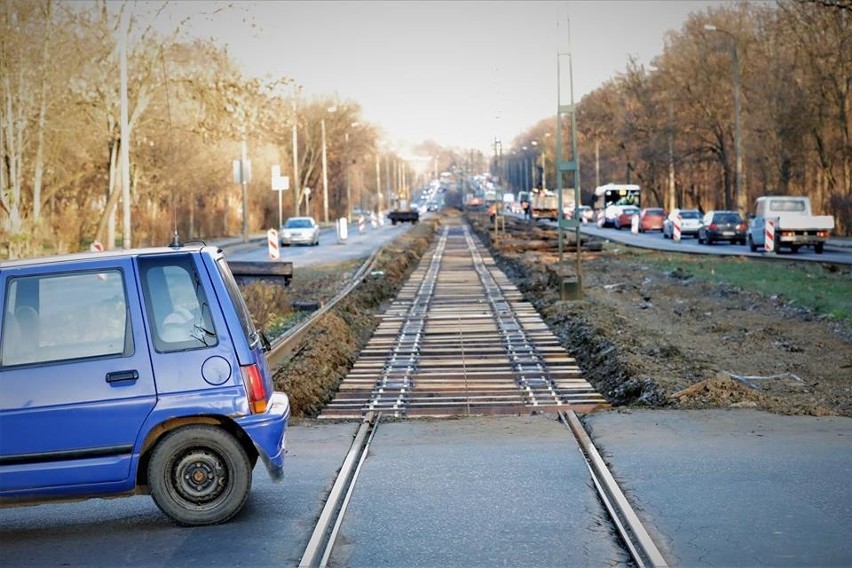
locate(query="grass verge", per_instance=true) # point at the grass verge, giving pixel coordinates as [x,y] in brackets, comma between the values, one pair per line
[824,288]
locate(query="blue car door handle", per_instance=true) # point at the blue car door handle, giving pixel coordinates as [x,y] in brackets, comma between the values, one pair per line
[119,376]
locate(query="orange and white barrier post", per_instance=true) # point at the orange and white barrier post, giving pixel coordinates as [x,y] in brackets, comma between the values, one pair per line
[98,247]
[600,219]
[769,236]
[360,223]
[272,239]
[634,224]
[374,222]
[676,229]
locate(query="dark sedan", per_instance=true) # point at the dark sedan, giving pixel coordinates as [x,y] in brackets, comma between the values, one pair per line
[722,226]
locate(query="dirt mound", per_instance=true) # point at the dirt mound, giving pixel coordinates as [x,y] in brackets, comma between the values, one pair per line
[324,358]
[646,337]
[643,337]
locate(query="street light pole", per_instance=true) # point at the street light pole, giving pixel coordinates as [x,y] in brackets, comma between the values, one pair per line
[296,195]
[324,175]
[738,138]
[325,169]
[348,185]
[378,185]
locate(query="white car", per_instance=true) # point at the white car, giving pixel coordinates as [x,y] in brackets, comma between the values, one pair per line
[299,230]
[690,223]
[584,213]
[611,213]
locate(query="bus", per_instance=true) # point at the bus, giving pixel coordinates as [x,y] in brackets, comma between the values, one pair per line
[611,197]
[445,180]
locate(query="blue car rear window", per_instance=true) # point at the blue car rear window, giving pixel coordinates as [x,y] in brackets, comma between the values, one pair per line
[176,304]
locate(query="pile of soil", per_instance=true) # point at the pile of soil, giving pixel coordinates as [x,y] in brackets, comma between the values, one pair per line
[666,339]
[642,336]
[321,362]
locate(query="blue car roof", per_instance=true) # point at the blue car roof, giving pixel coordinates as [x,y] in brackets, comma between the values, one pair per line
[88,256]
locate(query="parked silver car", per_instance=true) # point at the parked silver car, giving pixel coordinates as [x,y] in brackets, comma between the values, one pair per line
[690,223]
[299,230]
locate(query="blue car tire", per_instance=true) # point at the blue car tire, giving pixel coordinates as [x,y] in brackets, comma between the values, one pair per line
[199,475]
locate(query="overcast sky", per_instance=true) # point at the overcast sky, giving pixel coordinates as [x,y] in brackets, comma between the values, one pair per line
[458,72]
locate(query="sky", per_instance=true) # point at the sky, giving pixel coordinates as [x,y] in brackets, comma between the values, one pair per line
[461,73]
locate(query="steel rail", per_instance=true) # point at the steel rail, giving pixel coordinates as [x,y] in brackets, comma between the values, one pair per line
[284,345]
[460,339]
[640,544]
[324,534]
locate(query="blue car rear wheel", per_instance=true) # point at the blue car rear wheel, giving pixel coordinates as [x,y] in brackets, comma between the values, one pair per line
[199,475]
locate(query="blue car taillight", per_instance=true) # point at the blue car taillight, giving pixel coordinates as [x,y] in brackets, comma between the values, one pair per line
[255,388]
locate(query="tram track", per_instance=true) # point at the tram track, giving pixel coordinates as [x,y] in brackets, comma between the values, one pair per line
[460,340]
[633,534]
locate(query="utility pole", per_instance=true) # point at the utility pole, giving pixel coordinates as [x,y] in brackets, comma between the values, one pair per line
[572,165]
[324,176]
[378,185]
[348,184]
[296,192]
[244,175]
[125,131]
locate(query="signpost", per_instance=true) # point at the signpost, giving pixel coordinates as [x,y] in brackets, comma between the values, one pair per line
[279,183]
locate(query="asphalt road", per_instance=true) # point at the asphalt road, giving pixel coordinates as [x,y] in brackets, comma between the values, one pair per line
[715,488]
[482,491]
[331,248]
[838,251]
[272,529]
[735,487]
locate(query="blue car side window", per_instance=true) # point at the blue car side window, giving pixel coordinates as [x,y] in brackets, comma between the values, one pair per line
[176,305]
[64,317]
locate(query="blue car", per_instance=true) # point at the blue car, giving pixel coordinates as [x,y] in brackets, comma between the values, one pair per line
[134,372]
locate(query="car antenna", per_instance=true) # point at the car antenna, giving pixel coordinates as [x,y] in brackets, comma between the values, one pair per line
[175,237]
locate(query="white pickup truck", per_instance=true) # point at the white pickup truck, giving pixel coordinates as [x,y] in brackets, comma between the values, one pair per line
[795,225]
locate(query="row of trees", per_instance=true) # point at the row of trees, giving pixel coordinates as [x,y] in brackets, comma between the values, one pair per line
[671,127]
[190,113]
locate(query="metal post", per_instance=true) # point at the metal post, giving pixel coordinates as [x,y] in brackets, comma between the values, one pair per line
[348,185]
[125,132]
[378,186]
[324,175]
[244,182]
[573,164]
[387,181]
[738,136]
[671,202]
[296,195]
